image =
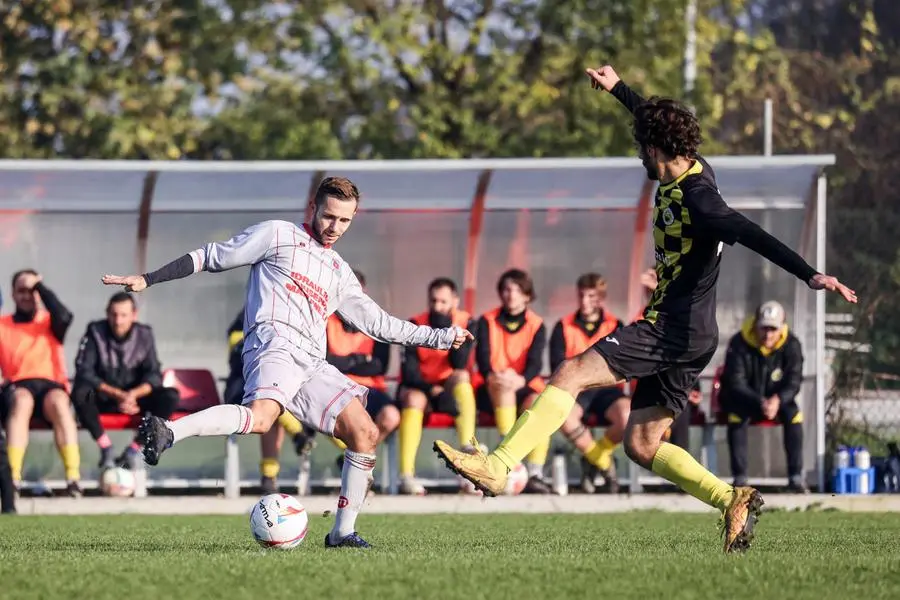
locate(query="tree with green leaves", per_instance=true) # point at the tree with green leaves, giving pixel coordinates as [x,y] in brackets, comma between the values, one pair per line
[119,79]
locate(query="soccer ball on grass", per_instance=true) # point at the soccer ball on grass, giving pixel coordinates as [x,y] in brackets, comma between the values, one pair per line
[278,521]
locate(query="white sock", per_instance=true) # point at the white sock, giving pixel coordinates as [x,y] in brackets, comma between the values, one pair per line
[223,419]
[355,479]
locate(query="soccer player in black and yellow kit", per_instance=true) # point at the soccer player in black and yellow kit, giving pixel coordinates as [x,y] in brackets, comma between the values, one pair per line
[667,349]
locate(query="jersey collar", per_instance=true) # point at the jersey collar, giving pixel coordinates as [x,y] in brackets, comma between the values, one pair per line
[695,169]
[312,235]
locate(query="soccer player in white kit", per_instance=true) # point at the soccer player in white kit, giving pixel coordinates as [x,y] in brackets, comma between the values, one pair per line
[296,281]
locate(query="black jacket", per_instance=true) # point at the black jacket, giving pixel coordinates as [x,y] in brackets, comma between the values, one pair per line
[125,363]
[752,374]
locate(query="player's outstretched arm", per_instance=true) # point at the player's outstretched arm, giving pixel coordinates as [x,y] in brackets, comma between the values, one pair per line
[246,248]
[606,78]
[732,227]
[357,308]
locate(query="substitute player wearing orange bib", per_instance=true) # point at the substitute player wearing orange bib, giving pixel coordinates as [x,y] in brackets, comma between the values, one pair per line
[435,380]
[509,350]
[573,335]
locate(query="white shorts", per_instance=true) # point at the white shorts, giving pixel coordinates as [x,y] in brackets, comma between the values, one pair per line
[309,388]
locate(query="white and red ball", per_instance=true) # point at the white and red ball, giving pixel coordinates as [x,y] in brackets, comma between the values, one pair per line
[516,481]
[279,521]
[117,482]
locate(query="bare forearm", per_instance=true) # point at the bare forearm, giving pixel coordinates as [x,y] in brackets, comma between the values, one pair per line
[144,389]
[110,390]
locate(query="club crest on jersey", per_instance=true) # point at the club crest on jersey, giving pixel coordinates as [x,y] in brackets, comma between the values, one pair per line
[777,375]
[335,264]
[668,217]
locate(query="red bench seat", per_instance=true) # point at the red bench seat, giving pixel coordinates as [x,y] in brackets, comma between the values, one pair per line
[197,390]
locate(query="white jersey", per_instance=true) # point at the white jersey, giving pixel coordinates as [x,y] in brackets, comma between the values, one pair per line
[296,283]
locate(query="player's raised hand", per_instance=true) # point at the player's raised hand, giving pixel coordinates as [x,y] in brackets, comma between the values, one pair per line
[462,336]
[132,283]
[827,282]
[605,77]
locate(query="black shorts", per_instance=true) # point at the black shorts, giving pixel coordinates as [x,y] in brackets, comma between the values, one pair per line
[376,401]
[666,361]
[483,398]
[39,389]
[598,401]
[442,402]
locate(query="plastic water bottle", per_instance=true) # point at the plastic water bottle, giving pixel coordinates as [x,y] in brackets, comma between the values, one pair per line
[862,460]
[842,458]
[560,475]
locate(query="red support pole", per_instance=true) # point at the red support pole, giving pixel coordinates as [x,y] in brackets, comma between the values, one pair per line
[476,219]
[144,219]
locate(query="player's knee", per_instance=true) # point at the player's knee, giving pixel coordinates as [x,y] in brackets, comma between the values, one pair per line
[22,401]
[618,413]
[413,399]
[389,418]
[265,413]
[456,377]
[56,406]
[638,448]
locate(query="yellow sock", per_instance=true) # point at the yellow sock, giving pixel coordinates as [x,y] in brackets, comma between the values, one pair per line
[71,458]
[679,467]
[269,467]
[290,423]
[466,412]
[341,445]
[535,426]
[16,460]
[600,453]
[538,455]
[410,438]
[505,417]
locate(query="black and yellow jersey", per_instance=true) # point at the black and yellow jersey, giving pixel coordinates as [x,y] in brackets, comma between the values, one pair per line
[691,223]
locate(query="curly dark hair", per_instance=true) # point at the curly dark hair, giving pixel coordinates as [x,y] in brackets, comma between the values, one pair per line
[668,126]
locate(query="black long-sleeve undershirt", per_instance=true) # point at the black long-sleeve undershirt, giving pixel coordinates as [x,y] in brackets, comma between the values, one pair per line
[179,268]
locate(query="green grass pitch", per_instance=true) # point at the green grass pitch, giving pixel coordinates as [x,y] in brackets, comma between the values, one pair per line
[637,555]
